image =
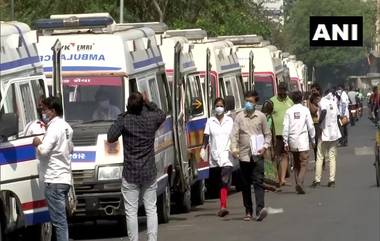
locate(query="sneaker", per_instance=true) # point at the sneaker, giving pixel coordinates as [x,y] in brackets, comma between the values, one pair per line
[263,213]
[331,184]
[299,189]
[315,184]
[223,212]
[248,217]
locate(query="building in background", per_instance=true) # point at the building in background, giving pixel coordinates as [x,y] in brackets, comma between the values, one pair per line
[274,9]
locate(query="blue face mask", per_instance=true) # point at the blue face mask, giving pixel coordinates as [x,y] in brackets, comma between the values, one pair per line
[249,106]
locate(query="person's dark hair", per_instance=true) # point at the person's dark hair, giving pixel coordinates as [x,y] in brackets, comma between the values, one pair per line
[267,107]
[297,97]
[53,103]
[252,93]
[313,97]
[219,99]
[374,88]
[351,88]
[283,86]
[328,91]
[316,86]
[135,103]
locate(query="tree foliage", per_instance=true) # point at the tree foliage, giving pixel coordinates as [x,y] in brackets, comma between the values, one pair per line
[297,30]
[217,17]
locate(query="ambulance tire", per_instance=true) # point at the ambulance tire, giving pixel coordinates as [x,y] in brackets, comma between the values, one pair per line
[163,206]
[183,201]
[198,192]
[1,230]
[40,232]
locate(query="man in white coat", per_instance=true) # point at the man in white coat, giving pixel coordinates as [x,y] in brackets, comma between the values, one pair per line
[327,144]
[297,133]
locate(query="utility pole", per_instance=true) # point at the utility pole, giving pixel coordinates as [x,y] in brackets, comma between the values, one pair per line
[12,10]
[377,43]
[121,11]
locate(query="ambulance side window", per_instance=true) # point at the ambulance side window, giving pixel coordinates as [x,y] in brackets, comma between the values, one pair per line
[194,93]
[11,106]
[148,86]
[162,88]
[28,102]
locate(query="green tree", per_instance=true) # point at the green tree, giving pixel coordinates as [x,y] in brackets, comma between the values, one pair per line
[333,60]
[217,17]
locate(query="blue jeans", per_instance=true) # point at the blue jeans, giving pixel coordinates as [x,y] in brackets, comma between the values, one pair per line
[56,196]
[131,193]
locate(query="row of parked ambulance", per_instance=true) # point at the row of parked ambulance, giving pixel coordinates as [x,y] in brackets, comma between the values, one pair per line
[85,57]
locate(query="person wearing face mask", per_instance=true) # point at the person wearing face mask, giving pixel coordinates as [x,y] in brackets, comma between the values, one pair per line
[55,165]
[281,103]
[217,133]
[250,124]
[105,110]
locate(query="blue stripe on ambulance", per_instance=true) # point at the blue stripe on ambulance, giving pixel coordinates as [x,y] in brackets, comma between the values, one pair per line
[17,154]
[37,217]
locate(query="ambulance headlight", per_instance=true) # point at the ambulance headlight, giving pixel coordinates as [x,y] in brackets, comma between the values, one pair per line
[107,173]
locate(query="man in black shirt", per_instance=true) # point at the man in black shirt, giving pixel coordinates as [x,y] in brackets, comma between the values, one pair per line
[138,127]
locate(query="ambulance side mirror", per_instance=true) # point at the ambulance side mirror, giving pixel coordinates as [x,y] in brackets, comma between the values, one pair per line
[8,125]
[230,103]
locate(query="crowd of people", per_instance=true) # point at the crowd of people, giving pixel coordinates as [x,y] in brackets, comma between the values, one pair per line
[261,142]
[286,128]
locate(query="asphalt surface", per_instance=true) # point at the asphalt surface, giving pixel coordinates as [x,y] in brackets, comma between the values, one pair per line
[348,212]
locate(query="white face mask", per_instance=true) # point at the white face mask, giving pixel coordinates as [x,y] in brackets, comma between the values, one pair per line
[45,118]
[219,110]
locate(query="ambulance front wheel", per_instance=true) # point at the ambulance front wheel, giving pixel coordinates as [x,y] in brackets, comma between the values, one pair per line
[163,206]
[1,230]
[198,192]
[41,232]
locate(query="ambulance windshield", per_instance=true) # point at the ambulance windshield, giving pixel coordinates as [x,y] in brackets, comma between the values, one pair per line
[264,86]
[92,99]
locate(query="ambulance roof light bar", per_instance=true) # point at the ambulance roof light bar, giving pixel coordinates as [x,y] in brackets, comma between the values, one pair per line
[190,34]
[73,22]
[158,27]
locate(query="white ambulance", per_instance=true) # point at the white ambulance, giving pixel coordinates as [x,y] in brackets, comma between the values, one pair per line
[22,200]
[220,76]
[102,63]
[267,65]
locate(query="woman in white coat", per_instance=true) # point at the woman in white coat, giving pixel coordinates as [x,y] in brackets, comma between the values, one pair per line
[217,135]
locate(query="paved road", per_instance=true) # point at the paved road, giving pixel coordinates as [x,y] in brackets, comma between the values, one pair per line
[348,212]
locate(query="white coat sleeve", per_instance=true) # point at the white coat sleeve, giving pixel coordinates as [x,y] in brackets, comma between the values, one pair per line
[285,132]
[48,142]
